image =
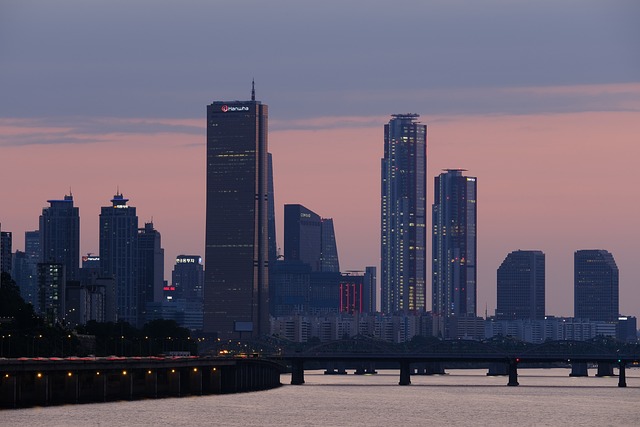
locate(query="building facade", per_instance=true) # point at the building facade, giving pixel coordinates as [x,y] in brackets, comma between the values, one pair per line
[595,289]
[454,247]
[521,286]
[236,292]
[403,216]
[60,235]
[119,255]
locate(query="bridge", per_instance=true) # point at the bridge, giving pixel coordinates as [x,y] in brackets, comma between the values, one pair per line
[503,356]
[51,381]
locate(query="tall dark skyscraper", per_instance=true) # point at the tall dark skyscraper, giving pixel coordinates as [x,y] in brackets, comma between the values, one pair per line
[236,294]
[60,236]
[521,286]
[119,254]
[403,215]
[454,247]
[595,289]
[150,268]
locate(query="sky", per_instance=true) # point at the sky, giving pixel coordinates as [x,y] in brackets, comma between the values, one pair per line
[539,100]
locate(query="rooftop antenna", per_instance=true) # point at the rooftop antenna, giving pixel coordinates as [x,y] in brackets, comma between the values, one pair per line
[253,90]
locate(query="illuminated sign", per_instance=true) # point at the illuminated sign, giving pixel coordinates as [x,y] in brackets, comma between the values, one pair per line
[225,108]
[185,260]
[169,288]
[305,215]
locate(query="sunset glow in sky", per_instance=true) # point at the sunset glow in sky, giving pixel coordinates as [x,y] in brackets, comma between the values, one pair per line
[540,101]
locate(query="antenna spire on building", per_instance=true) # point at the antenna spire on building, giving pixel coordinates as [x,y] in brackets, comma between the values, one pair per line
[253,90]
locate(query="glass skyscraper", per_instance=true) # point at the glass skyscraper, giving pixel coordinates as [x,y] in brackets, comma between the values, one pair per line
[403,215]
[236,289]
[521,286]
[595,290]
[454,247]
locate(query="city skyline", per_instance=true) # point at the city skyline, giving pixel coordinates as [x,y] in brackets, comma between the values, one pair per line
[501,100]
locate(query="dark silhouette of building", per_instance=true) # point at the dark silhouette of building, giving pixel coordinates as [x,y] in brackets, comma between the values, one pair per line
[595,290]
[454,248]
[150,268]
[403,216]
[521,286]
[371,290]
[119,255]
[236,293]
[187,277]
[6,243]
[60,235]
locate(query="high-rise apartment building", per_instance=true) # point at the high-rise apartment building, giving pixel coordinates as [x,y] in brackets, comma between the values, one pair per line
[236,293]
[521,286]
[454,247]
[60,236]
[119,255]
[595,290]
[403,216]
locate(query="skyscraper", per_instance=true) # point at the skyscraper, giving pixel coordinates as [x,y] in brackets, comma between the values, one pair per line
[236,294]
[329,251]
[119,254]
[521,286]
[302,235]
[454,247]
[595,290]
[150,268]
[60,235]
[403,215]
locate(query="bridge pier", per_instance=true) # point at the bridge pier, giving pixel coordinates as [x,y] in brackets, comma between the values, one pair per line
[434,368]
[513,373]
[605,369]
[497,369]
[579,370]
[297,372]
[405,373]
[622,377]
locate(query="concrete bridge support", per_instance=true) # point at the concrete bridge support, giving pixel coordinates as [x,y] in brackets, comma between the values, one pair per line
[405,373]
[604,369]
[622,377]
[579,370]
[434,368]
[513,373]
[297,372]
[498,369]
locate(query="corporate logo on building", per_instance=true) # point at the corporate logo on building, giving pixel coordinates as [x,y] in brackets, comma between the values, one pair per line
[225,108]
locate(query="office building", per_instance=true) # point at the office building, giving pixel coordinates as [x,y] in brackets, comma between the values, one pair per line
[150,268]
[187,277]
[119,255]
[595,289]
[403,216]
[454,248]
[60,235]
[521,286]
[329,262]
[236,293]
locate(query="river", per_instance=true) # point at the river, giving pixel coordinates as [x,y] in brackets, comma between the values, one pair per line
[545,397]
